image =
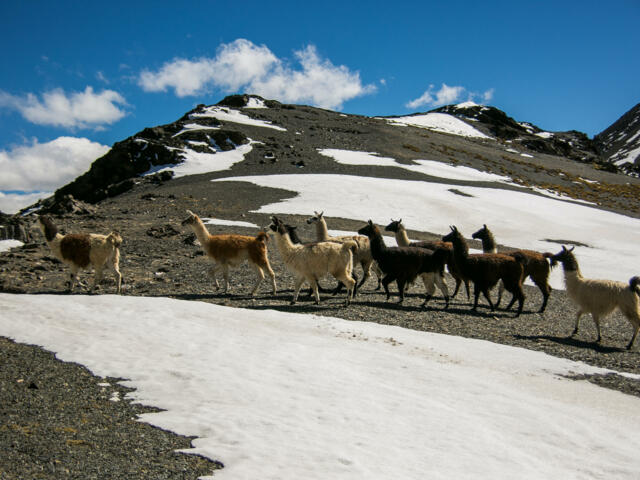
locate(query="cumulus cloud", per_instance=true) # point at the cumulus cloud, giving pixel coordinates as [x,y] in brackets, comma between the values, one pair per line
[255,69]
[448,95]
[47,166]
[86,109]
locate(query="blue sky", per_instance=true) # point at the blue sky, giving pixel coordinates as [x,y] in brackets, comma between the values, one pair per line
[82,75]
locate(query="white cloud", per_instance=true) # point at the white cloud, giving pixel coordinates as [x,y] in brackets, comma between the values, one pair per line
[448,95]
[255,69]
[14,202]
[86,109]
[47,166]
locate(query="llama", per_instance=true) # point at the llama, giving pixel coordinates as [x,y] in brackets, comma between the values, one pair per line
[362,255]
[230,250]
[537,266]
[82,250]
[599,297]
[312,261]
[486,269]
[402,239]
[404,264]
[293,235]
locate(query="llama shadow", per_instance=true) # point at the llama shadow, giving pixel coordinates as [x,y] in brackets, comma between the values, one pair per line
[573,342]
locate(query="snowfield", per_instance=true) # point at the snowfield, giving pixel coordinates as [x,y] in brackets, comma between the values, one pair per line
[432,207]
[276,395]
[439,122]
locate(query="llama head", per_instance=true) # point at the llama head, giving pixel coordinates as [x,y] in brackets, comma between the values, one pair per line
[191,219]
[370,230]
[293,234]
[394,226]
[453,235]
[566,257]
[481,234]
[277,225]
[316,217]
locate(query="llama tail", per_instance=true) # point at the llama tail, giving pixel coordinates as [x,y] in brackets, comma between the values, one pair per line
[262,237]
[634,283]
[350,245]
[115,239]
[549,257]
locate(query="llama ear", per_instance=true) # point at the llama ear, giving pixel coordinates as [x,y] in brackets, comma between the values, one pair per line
[485,226]
[370,222]
[322,213]
[564,249]
[571,249]
[190,212]
[400,221]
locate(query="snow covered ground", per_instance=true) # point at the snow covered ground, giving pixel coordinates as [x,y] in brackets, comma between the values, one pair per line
[516,218]
[277,395]
[439,122]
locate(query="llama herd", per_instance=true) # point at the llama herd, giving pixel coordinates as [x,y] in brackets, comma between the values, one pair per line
[337,256]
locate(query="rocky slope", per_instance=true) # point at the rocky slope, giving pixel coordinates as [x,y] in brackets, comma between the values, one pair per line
[620,143]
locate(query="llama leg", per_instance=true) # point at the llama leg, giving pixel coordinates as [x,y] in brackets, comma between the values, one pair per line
[633,338]
[212,272]
[476,295]
[259,281]
[73,277]
[485,292]
[267,266]
[116,270]
[455,290]
[466,285]
[350,282]
[225,275]
[500,291]
[596,320]
[314,287]
[378,272]
[578,315]
[545,289]
[366,269]
[97,278]
[442,286]
[429,286]
[385,284]
[296,289]
[401,284]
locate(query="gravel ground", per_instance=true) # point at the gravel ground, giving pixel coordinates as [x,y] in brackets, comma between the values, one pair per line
[58,422]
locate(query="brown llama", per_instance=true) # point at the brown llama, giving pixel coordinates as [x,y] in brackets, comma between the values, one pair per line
[402,239]
[486,269]
[83,250]
[537,266]
[230,250]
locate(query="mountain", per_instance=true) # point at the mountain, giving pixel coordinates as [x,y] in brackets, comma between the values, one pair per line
[620,143]
[287,138]
[572,144]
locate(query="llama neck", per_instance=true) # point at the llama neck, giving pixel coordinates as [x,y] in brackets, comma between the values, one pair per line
[285,246]
[460,249]
[322,234]
[377,242]
[489,243]
[402,239]
[202,234]
[54,245]
[571,270]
